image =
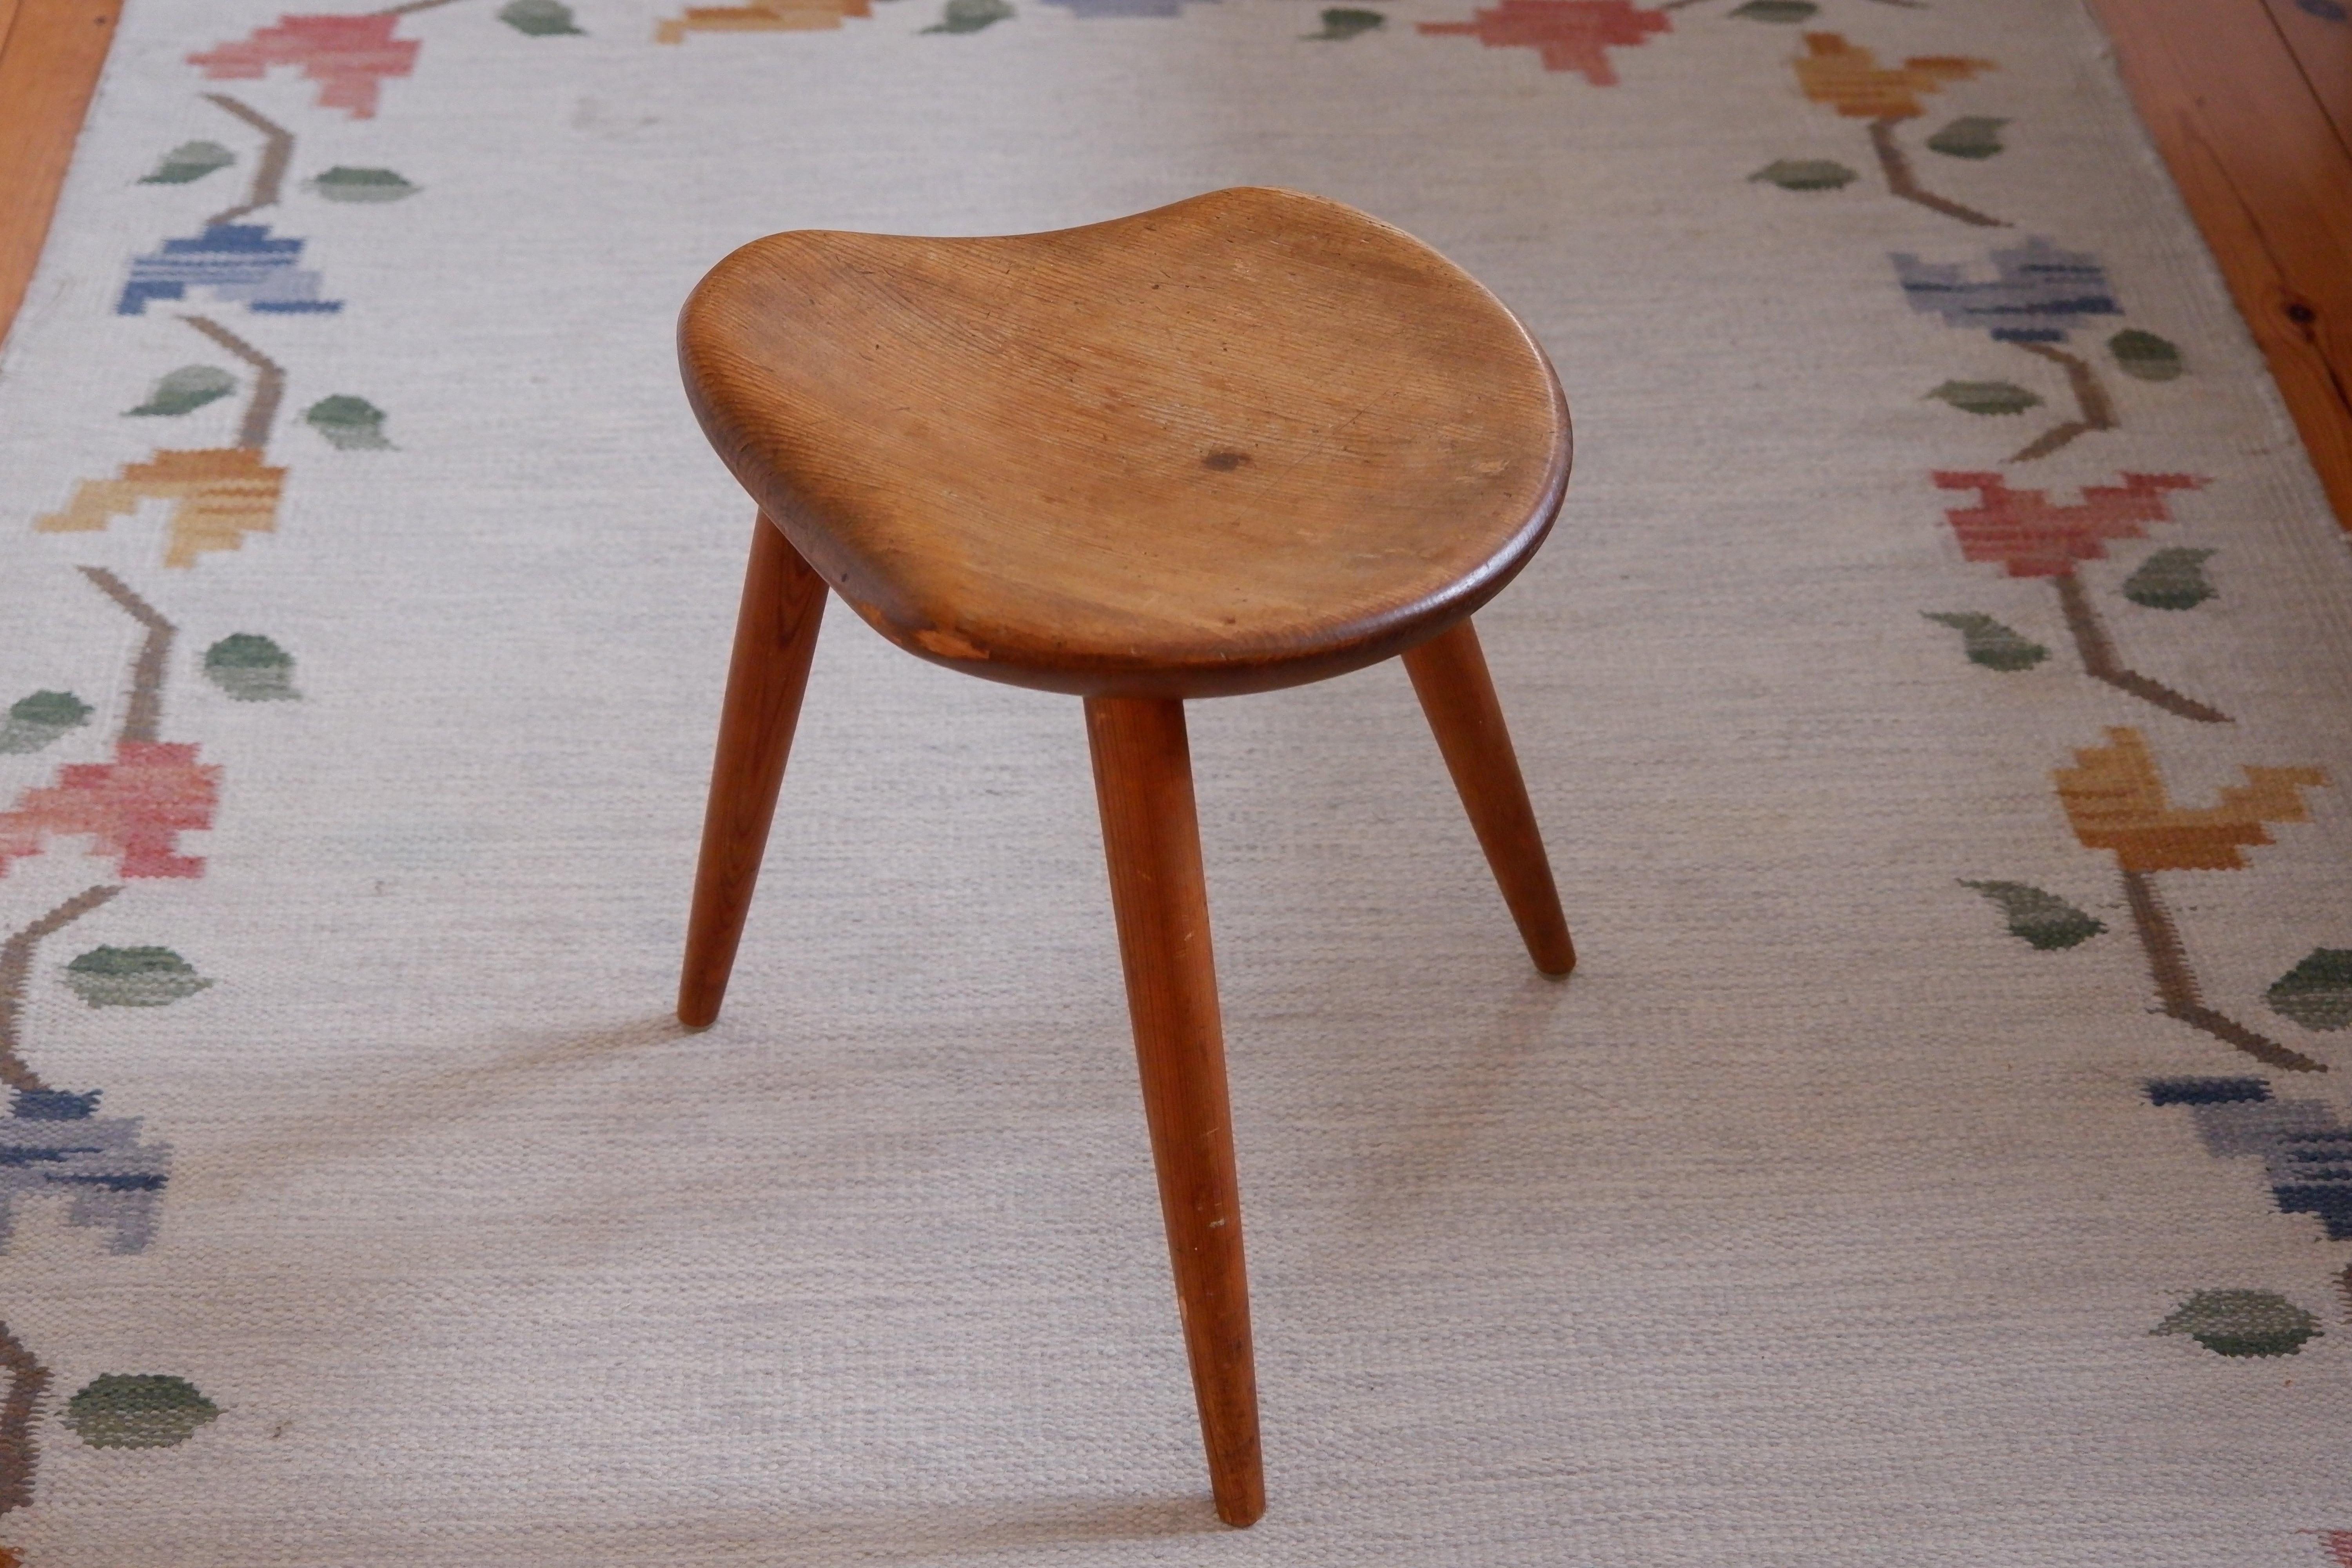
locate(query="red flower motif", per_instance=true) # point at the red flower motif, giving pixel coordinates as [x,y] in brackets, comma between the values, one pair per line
[134,808]
[2033,538]
[347,55]
[1570,35]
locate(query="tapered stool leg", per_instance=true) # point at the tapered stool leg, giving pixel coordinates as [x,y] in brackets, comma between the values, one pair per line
[1449,675]
[775,637]
[1143,781]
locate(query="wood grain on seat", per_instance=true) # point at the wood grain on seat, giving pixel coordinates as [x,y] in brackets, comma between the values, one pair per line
[1248,440]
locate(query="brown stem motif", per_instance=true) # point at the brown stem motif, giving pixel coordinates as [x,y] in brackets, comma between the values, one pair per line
[1904,183]
[16,968]
[270,173]
[2099,660]
[2175,986]
[412,6]
[27,1379]
[2098,412]
[143,719]
[269,383]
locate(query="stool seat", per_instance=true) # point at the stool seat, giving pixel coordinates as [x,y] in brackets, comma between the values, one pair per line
[1249,440]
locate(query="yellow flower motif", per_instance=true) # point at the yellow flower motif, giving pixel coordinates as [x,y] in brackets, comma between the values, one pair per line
[1850,78]
[763,17]
[2116,800]
[223,493]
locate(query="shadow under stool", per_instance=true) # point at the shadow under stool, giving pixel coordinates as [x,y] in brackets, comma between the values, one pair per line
[1248,441]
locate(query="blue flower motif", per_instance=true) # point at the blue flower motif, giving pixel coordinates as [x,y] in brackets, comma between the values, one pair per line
[2038,292]
[1123,8]
[237,261]
[2305,1148]
[53,1142]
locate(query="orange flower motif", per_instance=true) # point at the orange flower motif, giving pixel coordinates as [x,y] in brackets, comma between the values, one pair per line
[2116,800]
[764,17]
[347,55]
[1567,35]
[2033,537]
[223,494]
[134,808]
[1849,78]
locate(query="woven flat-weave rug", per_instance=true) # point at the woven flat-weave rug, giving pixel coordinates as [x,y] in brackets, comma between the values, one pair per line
[1934,693]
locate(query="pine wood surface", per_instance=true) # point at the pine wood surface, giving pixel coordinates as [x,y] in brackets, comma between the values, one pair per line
[2268,177]
[50,54]
[2323,52]
[1248,440]
[7,21]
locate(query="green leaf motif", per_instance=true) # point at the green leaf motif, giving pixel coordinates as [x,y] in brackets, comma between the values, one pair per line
[1971,136]
[970,15]
[2316,993]
[185,389]
[132,977]
[1343,23]
[34,721]
[2171,579]
[189,161]
[251,669]
[1986,396]
[342,184]
[1783,11]
[2145,355]
[540,18]
[1804,173]
[1989,643]
[2243,1322]
[353,424]
[2043,920]
[137,1410]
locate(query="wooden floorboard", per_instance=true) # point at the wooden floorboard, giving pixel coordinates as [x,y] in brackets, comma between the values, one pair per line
[2322,49]
[49,63]
[7,20]
[2265,171]
[2250,101]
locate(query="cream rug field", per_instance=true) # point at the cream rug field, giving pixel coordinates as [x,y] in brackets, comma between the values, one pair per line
[1935,694]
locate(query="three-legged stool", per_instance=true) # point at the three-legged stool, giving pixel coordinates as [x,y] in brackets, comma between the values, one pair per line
[1248,441]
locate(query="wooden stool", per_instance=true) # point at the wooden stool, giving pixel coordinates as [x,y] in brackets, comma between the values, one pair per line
[1248,441]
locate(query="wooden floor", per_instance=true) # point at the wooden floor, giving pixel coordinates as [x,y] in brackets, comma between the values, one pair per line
[2250,102]
[50,52]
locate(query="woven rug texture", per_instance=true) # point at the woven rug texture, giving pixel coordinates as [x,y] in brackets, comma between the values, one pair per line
[1934,693]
